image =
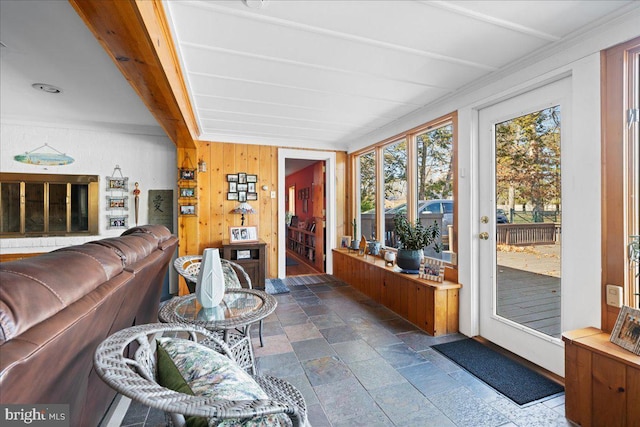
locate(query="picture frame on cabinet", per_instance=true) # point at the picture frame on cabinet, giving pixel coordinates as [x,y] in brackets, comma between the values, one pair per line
[626,332]
[117,203]
[246,254]
[432,269]
[243,234]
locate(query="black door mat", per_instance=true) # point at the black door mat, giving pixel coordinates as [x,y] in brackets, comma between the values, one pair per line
[512,379]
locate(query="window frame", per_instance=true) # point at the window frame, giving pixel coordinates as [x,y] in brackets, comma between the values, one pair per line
[46,179]
[619,89]
[412,165]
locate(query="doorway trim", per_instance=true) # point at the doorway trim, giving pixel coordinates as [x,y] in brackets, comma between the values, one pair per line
[330,197]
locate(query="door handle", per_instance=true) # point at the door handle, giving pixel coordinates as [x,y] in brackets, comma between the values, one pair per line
[484,235]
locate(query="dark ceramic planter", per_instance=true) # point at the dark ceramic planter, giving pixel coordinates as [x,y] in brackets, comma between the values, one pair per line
[409,260]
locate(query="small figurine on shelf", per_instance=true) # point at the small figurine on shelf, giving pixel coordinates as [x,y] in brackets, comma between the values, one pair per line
[363,246]
[389,258]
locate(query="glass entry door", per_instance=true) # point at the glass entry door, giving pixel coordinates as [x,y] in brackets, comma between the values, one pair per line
[520,238]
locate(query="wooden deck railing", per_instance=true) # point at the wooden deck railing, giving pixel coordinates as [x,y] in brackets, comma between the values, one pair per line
[526,234]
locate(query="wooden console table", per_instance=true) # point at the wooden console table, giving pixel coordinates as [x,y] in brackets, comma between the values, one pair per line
[431,306]
[602,380]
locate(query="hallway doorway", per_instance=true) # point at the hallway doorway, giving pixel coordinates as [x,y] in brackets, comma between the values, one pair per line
[306,235]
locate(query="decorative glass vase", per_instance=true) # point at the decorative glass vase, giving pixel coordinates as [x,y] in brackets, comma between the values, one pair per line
[210,283]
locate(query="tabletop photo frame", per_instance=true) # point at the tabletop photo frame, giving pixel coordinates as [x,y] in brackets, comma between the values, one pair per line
[626,332]
[243,234]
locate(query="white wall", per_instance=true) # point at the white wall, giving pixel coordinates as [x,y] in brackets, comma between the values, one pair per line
[147,158]
[579,59]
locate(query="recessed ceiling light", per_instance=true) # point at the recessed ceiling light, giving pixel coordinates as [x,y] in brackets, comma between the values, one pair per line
[46,88]
[256,4]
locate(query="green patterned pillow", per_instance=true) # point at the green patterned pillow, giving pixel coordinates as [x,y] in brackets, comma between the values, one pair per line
[211,374]
[170,377]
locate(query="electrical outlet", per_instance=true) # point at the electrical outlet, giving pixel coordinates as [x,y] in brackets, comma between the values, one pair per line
[614,295]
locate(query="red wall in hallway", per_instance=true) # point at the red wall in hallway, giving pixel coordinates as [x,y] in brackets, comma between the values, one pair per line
[301,179]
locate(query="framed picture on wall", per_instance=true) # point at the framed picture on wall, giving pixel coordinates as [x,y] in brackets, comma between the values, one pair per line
[188,192]
[117,203]
[187,210]
[242,178]
[252,178]
[232,177]
[232,196]
[115,183]
[187,174]
[252,196]
[117,221]
[242,196]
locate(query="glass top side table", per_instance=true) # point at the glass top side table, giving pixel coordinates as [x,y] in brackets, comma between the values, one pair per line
[232,317]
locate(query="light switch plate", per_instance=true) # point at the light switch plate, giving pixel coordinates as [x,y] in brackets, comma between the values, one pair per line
[273,194]
[614,296]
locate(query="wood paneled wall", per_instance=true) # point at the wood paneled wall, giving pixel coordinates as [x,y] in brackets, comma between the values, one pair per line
[214,212]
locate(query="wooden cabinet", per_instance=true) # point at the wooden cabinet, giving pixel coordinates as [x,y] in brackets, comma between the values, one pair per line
[602,380]
[251,256]
[431,306]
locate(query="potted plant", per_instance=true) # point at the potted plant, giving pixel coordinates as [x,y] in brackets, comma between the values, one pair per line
[414,237]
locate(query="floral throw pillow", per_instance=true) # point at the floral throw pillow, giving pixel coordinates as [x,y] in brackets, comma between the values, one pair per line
[211,374]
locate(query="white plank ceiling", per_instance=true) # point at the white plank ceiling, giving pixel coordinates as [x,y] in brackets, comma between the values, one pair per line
[321,73]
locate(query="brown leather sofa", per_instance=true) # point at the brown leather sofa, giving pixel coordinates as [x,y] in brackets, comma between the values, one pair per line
[57,307]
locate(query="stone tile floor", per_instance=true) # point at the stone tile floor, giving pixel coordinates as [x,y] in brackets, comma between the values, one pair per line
[359,364]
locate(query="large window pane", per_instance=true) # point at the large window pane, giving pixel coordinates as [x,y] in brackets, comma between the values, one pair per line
[434,151]
[394,158]
[10,206]
[529,248]
[367,173]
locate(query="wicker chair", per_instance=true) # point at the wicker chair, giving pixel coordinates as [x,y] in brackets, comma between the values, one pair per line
[135,377]
[188,267]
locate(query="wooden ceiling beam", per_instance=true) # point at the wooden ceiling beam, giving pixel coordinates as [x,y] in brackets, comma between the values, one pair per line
[135,34]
